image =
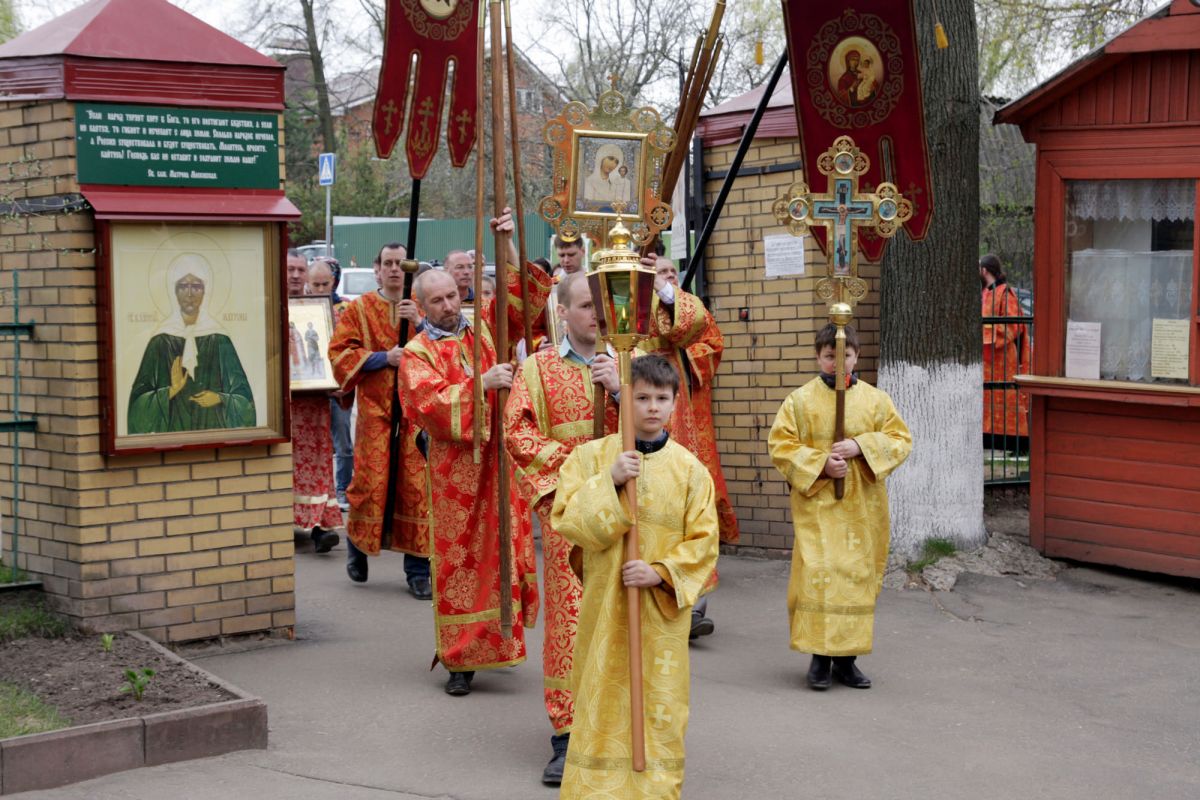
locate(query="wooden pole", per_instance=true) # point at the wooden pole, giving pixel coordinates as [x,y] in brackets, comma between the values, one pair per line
[477,340]
[632,593]
[502,243]
[519,204]
[839,385]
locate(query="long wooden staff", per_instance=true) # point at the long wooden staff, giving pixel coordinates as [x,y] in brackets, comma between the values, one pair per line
[519,205]
[502,241]
[477,341]
[632,593]
[839,417]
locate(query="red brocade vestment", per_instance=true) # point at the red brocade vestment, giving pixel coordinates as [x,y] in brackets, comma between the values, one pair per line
[437,383]
[314,501]
[367,325]
[549,413]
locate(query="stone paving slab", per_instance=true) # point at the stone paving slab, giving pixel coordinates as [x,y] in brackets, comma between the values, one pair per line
[1082,687]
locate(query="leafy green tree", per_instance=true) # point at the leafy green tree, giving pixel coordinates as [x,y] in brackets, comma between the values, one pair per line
[10,24]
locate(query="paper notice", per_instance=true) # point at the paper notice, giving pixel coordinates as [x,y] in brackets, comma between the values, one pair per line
[784,255]
[1169,349]
[1083,350]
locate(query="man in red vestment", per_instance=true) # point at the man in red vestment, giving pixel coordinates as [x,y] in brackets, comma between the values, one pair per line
[686,334]
[551,411]
[314,501]
[388,502]
[437,389]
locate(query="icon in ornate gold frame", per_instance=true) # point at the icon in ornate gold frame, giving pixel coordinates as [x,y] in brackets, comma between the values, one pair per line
[608,164]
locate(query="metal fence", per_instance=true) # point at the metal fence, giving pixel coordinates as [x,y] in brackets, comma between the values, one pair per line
[1007,352]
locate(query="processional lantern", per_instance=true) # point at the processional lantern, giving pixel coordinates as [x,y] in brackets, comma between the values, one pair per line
[841,212]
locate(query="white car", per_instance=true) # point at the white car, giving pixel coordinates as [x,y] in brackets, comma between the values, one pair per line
[356,281]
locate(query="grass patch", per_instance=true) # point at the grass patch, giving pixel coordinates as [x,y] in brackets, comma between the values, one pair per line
[6,574]
[25,614]
[22,713]
[934,551]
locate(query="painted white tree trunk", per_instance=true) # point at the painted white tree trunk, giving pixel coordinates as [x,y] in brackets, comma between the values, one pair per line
[938,491]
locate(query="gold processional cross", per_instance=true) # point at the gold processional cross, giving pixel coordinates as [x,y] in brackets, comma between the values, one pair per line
[842,211]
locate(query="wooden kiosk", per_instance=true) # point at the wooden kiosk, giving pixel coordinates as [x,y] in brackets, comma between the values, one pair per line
[1115,459]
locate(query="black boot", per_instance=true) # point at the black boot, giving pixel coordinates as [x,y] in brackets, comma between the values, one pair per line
[701,625]
[324,540]
[848,674]
[459,683]
[553,773]
[818,673]
[356,562]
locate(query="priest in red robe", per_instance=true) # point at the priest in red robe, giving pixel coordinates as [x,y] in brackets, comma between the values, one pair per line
[551,411]
[437,389]
[388,504]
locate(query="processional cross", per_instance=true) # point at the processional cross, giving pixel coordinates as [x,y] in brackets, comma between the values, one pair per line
[842,211]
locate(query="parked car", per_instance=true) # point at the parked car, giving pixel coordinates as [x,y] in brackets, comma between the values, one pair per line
[313,250]
[356,281]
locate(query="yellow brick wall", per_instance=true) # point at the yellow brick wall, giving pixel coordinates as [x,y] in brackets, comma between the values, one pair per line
[180,545]
[771,354]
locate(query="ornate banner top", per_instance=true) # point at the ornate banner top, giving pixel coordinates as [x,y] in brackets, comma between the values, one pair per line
[438,33]
[856,71]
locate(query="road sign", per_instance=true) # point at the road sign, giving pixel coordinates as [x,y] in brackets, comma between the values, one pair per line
[327,168]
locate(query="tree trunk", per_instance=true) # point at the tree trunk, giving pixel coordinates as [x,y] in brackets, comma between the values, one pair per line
[931,359]
[324,112]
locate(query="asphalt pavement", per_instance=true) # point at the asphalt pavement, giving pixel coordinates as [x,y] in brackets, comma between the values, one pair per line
[1085,687]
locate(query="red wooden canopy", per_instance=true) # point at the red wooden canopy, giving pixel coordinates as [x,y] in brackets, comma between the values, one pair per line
[145,51]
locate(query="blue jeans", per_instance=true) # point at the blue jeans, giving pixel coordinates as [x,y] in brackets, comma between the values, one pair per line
[343,448]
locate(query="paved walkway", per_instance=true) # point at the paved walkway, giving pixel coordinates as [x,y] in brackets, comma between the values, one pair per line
[1086,687]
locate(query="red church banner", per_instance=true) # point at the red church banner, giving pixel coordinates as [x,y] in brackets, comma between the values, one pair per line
[855,72]
[423,38]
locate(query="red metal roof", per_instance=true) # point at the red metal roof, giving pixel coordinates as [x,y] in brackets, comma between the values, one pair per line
[724,123]
[140,30]
[132,203]
[1175,26]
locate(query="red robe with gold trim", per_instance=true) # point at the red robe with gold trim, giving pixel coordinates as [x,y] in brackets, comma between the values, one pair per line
[692,330]
[314,500]
[549,413]
[1005,354]
[437,388]
[367,325]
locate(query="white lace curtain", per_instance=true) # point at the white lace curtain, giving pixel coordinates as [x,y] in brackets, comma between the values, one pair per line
[1125,292]
[1133,200]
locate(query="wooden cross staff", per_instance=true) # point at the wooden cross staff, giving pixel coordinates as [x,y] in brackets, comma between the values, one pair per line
[842,211]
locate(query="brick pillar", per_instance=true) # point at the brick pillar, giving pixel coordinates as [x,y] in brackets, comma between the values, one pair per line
[180,545]
[771,354]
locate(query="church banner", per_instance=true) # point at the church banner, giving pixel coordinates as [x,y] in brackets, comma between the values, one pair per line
[423,39]
[855,71]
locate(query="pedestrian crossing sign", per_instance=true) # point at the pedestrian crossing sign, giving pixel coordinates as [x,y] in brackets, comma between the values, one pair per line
[327,168]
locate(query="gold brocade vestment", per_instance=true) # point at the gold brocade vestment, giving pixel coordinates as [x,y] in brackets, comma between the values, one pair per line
[677,525]
[550,412]
[841,546]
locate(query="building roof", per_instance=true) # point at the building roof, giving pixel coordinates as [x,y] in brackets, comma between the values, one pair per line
[725,122]
[1175,26]
[136,30]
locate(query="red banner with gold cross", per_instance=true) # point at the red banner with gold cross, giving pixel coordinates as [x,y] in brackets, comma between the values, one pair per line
[422,39]
[855,71]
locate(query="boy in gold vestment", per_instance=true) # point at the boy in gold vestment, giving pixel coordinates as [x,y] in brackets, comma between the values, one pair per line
[677,526]
[841,546]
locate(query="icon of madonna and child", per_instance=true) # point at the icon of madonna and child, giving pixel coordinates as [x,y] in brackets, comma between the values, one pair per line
[855,72]
[190,377]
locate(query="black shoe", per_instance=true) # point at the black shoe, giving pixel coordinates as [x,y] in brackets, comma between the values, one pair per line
[701,626]
[819,677]
[553,773]
[459,683]
[848,674]
[323,540]
[420,588]
[356,566]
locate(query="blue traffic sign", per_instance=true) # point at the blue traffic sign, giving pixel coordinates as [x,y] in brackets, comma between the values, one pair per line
[327,168]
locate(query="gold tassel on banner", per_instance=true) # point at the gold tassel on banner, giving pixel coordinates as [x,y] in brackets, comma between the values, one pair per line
[758,53]
[939,34]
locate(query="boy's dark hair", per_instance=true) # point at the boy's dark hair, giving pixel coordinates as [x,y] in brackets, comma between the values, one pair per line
[656,371]
[991,263]
[390,246]
[561,242]
[827,337]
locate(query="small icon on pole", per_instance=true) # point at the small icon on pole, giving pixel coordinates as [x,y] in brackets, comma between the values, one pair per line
[327,168]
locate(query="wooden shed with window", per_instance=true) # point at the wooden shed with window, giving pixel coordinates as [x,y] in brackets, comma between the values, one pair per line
[1115,460]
